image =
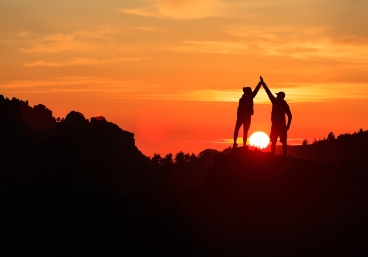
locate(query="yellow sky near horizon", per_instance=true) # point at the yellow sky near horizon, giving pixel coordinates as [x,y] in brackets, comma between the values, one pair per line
[171,71]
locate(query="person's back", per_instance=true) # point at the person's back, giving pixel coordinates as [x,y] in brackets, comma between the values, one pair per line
[246,105]
[279,109]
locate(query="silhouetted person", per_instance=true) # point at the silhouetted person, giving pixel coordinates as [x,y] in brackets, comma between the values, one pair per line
[279,127]
[245,112]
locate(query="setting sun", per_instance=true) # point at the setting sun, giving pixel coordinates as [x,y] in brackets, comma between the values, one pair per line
[259,140]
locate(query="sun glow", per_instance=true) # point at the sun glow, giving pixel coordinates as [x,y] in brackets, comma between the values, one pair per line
[259,140]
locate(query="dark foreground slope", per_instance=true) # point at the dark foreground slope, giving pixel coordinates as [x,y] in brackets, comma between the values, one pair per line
[80,186]
[255,204]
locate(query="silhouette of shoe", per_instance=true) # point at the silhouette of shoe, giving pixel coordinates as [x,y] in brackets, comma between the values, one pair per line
[235,145]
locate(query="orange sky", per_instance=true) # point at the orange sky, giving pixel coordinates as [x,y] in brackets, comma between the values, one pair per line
[172,71]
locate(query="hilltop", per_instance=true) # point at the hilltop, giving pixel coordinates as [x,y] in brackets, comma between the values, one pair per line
[82,185]
[262,205]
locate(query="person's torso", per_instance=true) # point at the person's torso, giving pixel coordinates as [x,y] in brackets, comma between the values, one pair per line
[279,109]
[245,107]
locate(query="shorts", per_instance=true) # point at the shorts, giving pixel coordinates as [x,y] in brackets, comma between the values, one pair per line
[278,130]
[245,121]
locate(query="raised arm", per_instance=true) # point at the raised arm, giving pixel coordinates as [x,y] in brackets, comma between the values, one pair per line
[270,95]
[255,91]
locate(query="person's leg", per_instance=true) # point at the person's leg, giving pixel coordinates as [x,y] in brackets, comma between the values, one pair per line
[283,139]
[236,130]
[273,138]
[273,147]
[284,147]
[246,125]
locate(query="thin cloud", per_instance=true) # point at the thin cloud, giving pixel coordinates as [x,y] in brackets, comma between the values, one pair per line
[294,93]
[178,10]
[24,34]
[319,50]
[148,29]
[103,32]
[220,47]
[79,40]
[310,43]
[197,9]
[136,89]
[95,83]
[82,61]
[56,43]
[153,12]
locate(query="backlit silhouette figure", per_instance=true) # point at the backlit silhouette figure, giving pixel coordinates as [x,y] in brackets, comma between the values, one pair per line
[279,127]
[245,112]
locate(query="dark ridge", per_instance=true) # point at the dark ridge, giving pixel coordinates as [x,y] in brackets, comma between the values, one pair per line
[78,185]
[333,149]
[252,203]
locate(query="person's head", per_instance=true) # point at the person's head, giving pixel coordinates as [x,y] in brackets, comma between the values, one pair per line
[247,90]
[280,95]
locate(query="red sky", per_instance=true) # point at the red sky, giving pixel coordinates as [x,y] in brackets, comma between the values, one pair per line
[172,71]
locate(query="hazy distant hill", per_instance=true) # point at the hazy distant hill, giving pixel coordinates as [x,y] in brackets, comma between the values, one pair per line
[81,185]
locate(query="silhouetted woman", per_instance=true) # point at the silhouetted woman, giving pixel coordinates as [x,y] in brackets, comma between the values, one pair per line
[245,112]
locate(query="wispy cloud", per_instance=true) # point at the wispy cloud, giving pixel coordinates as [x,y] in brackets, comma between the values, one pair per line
[337,50]
[295,92]
[24,34]
[139,89]
[178,10]
[308,43]
[148,29]
[56,43]
[221,47]
[82,61]
[196,9]
[145,11]
[73,84]
[82,40]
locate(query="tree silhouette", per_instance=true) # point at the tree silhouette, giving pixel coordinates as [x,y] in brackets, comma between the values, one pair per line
[156,160]
[192,157]
[180,158]
[331,136]
[168,159]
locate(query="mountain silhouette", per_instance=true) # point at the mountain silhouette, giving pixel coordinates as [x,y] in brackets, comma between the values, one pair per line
[81,185]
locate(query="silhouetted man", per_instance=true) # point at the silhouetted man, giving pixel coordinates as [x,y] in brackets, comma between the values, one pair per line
[245,112]
[279,127]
